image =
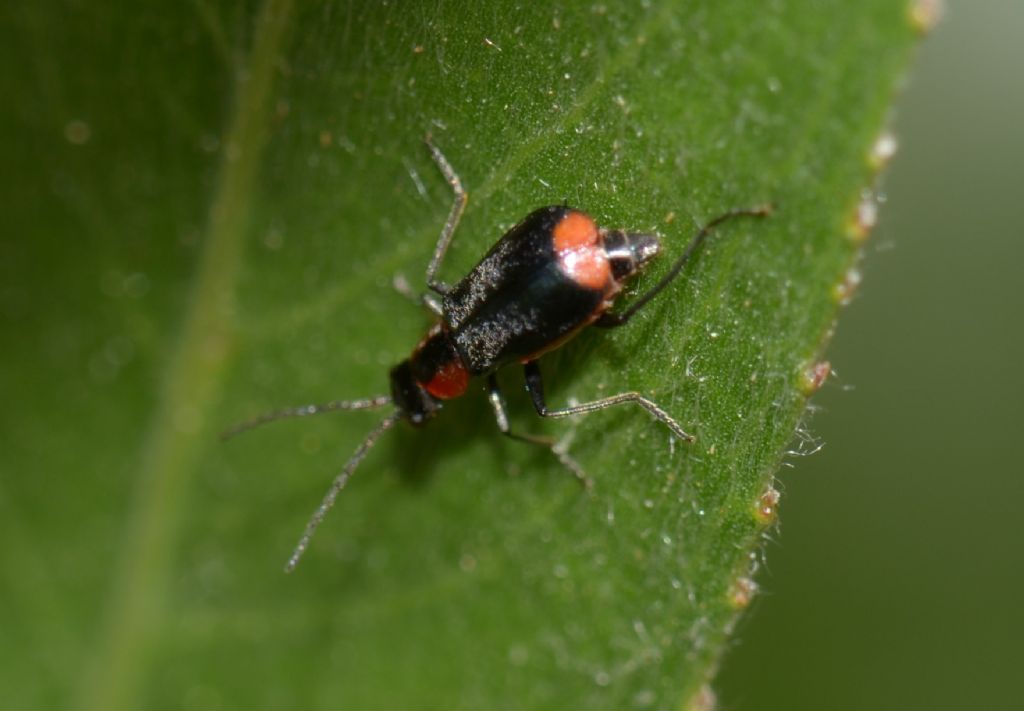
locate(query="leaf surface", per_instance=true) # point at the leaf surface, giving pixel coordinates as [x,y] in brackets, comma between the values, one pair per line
[209,206]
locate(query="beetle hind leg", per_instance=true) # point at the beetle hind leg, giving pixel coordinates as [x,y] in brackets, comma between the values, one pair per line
[535,386]
[497,400]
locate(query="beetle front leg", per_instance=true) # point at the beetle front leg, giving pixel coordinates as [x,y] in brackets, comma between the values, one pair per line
[535,386]
[497,400]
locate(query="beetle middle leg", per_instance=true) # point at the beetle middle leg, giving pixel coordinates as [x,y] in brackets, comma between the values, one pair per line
[458,206]
[535,386]
[497,400]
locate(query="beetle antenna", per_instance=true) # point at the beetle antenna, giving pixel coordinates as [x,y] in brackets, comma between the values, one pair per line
[304,411]
[337,485]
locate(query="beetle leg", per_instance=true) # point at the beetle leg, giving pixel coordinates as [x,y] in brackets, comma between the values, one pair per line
[432,304]
[612,320]
[461,198]
[497,399]
[426,299]
[535,386]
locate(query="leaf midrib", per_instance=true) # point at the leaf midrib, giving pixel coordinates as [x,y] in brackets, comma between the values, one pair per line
[191,384]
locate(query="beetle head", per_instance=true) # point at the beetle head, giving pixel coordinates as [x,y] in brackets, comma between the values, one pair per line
[629,252]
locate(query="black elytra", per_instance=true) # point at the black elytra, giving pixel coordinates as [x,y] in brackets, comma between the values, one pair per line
[547,278]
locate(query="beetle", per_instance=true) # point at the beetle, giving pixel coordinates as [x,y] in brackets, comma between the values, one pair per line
[552,275]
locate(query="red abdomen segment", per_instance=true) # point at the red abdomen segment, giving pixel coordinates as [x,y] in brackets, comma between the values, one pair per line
[449,380]
[437,366]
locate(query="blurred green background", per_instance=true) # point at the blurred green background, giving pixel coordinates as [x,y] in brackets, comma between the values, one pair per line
[895,579]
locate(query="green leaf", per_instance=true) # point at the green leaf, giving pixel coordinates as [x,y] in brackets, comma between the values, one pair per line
[208,205]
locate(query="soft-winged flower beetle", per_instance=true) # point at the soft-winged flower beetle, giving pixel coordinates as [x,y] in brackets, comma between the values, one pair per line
[547,278]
